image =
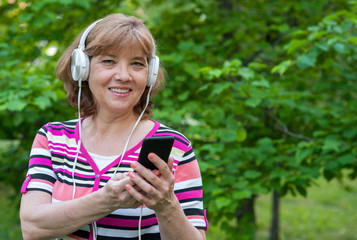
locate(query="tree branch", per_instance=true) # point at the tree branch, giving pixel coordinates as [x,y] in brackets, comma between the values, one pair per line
[283,128]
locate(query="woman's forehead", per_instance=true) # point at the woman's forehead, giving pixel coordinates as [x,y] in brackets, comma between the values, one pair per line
[127,51]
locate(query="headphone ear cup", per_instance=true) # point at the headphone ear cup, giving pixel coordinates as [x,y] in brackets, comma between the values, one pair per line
[153,70]
[79,65]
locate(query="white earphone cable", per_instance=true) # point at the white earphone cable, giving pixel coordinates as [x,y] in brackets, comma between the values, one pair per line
[79,140]
[136,124]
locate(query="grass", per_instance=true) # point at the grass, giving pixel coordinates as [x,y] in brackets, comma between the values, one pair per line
[9,221]
[328,213]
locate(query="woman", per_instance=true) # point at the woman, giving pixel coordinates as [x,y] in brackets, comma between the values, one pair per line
[84,180]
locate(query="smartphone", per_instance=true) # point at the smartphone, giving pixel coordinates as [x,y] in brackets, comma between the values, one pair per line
[160,145]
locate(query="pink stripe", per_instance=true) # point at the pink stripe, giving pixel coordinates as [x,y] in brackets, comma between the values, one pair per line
[190,194]
[60,129]
[206,220]
[172,134]
[42,181]
[76,174]
[41,161]
[187,171]
[40,142]
[59,146]
[180,145]
[126,222]
[25,184]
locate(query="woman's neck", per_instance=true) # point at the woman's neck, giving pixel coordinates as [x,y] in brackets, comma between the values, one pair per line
[107,136]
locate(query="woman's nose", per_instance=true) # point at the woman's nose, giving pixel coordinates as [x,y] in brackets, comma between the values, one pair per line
[122,73]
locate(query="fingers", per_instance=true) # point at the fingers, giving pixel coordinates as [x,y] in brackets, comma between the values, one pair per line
[118,176]
[118,195]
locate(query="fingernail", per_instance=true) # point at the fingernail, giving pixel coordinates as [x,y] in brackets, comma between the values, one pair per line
[151,155]
[127,186]
[131,174]
[134,164]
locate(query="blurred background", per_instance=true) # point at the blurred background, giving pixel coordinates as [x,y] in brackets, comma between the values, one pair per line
[265,90]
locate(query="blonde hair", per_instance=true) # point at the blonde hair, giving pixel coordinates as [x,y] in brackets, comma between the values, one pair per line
[112,33]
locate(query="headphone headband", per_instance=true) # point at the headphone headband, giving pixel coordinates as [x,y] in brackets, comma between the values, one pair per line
[80,62]
[85,34]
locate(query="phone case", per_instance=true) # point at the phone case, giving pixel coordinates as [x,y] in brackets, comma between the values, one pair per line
[160,145]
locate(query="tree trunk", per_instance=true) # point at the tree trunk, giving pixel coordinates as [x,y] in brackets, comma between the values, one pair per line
[246,218]
[274,230]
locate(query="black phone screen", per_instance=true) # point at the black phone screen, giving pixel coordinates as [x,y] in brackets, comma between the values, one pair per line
[160,145]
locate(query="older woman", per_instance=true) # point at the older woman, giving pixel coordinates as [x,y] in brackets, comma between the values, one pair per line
[84,180]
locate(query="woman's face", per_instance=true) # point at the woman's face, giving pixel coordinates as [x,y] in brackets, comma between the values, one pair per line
[117,80]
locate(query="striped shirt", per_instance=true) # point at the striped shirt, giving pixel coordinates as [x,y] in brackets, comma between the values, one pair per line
[50,170]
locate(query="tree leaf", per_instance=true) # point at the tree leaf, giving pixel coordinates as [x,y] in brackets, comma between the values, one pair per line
[341,48]
[305,61]
[42,102]
[16,105]
[251,174]
[253,102]
[301,154]
[246,73]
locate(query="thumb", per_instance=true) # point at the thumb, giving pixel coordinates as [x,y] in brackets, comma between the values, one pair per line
[118,177]
[170,163]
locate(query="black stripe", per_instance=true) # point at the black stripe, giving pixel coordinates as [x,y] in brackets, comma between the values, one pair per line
[124,228]
[40,156]
[191,199]
[188,153]
[62,175]
[43,177]
[38,189]
[77,183]
[189,189]
[193,211]
[40,166]
[148,236]
[130,217]
[165,129]
[81,233]
[61,128]
[70,123]
[42,133]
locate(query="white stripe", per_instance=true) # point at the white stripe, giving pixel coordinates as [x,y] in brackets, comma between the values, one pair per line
[69,153]
[41,170]
[196,182]
[40,185]
[62,139]
[133,212]
[198,222]
[69,169]
[62,149]
[191,155]
[192,204]
[78,181]
[40,151]
[126,233]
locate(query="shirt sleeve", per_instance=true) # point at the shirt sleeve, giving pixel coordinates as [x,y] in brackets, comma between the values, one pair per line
[188,188]
[40,175]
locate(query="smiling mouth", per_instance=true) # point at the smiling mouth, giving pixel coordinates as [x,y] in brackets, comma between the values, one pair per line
[119,90]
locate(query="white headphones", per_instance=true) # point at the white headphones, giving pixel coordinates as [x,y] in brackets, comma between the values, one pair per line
[80,61]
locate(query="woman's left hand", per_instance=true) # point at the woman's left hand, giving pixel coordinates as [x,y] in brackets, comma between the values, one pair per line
[157,187]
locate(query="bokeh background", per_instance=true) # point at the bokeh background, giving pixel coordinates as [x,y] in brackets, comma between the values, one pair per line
[265,90]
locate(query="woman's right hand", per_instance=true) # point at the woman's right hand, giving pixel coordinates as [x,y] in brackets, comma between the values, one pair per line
[118,196]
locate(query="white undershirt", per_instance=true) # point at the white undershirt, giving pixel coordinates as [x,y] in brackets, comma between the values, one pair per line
[102,161]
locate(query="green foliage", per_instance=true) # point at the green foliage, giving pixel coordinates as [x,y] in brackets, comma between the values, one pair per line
[265,90]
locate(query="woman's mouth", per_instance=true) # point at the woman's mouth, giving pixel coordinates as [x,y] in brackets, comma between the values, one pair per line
[120,90]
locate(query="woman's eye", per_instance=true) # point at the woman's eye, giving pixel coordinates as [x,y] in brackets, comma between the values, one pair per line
[108,61]
[138,64]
